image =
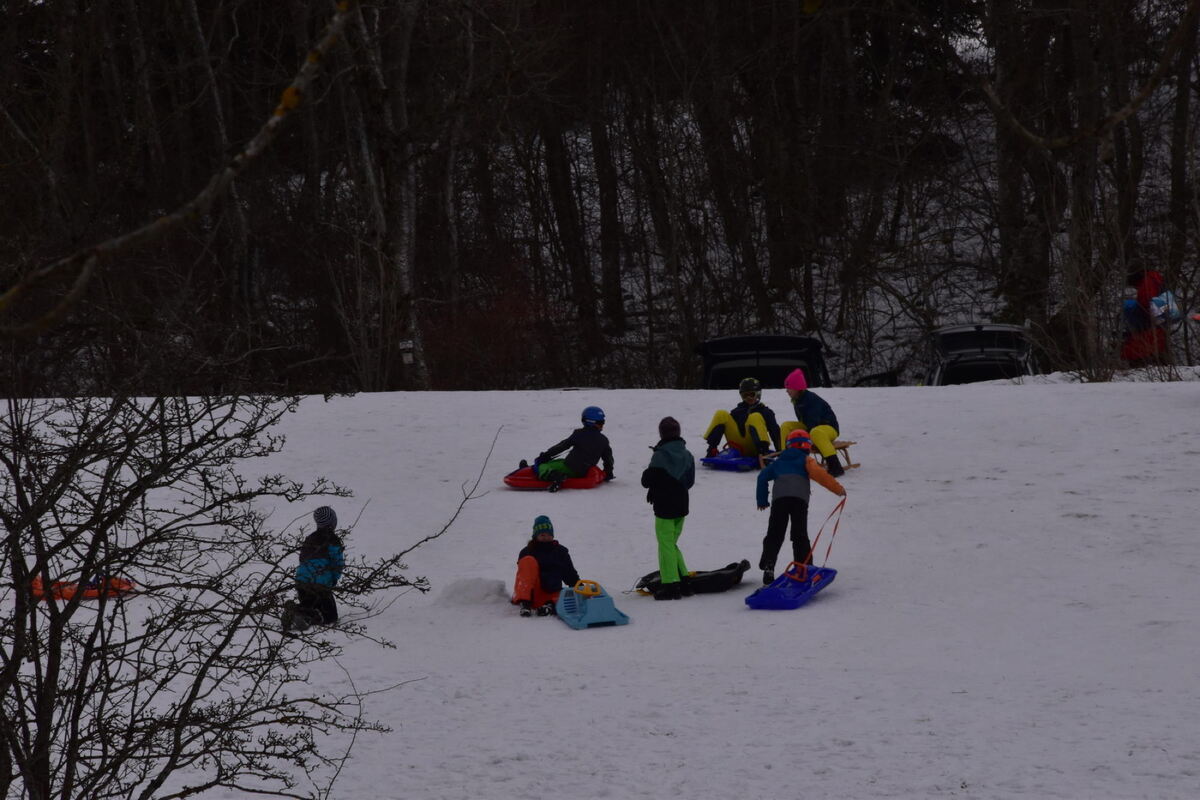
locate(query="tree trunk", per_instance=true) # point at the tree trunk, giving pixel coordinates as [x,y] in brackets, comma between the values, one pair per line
[568,227]
[1181,210]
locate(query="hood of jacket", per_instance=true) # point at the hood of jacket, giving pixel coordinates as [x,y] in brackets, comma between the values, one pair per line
[672,456]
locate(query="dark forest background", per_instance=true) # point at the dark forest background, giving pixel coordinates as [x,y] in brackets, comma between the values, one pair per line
[529,193]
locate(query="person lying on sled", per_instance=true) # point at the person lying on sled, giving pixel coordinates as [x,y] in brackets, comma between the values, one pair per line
[750,428]
[588,445]
[543,567]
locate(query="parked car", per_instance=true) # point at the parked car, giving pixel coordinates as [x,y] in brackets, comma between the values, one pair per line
[769,358]
[979,352]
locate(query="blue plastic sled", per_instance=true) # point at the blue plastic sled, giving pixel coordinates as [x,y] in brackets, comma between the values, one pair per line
[796,586]
[731,460]
[587,605]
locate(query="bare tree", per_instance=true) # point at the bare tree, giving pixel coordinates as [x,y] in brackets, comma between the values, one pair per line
[187,684]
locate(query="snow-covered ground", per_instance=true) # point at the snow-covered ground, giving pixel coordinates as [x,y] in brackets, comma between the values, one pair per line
[1015,613]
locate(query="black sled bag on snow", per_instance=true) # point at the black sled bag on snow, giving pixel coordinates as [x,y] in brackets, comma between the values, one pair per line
[710,582]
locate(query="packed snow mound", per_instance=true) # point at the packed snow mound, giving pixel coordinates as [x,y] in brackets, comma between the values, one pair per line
[473,592]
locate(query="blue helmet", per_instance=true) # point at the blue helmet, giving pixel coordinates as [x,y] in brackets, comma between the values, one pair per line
[592,415]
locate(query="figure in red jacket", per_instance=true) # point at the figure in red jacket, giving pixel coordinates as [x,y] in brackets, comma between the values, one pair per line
[1145,343]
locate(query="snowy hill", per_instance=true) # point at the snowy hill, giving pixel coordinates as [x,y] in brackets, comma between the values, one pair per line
[1014,615]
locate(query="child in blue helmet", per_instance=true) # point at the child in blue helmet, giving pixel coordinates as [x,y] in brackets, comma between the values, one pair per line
[322,559]
[791,472]
[588,445]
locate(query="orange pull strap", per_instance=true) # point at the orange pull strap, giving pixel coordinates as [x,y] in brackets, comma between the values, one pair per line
[837,509]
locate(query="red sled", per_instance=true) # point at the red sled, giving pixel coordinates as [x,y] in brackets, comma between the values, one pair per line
[525,478]
[63,590]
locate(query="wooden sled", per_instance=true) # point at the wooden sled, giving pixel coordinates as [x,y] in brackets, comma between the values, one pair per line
[842,446]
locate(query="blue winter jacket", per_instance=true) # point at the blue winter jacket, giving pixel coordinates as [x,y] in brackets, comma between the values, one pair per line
[812,411]
[322,558]
[789,470]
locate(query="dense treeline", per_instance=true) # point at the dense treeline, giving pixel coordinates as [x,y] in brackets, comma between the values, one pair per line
[520,193]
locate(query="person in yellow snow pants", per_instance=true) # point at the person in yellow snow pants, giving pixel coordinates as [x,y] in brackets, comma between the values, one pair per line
[814,415]
[750,428]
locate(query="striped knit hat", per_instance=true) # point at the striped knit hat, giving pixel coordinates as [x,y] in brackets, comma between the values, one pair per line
[325,517]
[799,440]
[542,524]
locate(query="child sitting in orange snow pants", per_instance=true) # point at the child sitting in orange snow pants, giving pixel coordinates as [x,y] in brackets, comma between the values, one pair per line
[543,566]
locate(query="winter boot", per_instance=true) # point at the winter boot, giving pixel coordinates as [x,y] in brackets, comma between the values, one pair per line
[834,467]
[523,464]
[526,609]
[669,591]
[546,610]
[714,442]
[685,586]
[554,486]
[768,577]
[295,620]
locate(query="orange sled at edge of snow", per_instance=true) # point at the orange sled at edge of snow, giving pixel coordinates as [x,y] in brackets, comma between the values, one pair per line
[64,590]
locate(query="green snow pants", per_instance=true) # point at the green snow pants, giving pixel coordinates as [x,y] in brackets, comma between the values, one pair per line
[670,560]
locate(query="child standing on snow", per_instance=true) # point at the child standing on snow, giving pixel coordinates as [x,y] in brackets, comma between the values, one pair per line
[588,445]
[791,471]
[543,566]
[671,473]
[322,559]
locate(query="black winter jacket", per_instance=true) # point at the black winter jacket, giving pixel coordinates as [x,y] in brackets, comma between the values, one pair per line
[671,473]
[742,411]
[554,564]
[588,446]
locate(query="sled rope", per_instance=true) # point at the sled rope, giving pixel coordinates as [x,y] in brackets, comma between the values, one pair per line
[837,509]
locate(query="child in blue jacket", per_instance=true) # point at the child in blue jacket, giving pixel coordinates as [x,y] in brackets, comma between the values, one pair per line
[322,559]
[791,471]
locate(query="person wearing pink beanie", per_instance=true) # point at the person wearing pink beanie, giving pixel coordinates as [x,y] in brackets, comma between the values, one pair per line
[814,415]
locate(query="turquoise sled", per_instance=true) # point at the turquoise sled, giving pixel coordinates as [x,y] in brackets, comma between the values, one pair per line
[798,584]
[587,605]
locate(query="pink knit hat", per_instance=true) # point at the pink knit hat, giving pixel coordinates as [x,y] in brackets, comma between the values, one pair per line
[796,381]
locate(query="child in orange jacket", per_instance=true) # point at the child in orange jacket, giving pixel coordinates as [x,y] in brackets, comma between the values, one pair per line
[791,471]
